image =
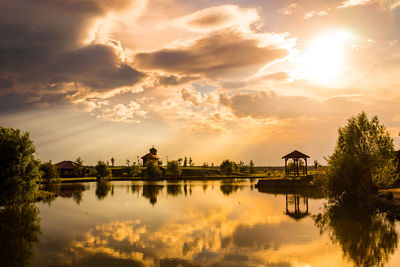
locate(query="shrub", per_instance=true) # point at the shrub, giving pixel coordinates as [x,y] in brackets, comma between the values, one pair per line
[152,170]
[173,169]
[102,170]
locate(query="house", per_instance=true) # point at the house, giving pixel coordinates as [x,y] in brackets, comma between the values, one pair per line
[150,156]
[65,168]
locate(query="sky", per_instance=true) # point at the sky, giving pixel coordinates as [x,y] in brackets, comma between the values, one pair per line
[210,80]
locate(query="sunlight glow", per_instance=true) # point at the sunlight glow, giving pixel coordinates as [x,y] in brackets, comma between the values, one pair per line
[325,57]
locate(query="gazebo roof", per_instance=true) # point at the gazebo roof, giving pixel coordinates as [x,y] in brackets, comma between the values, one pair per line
[150,156]
[295,155]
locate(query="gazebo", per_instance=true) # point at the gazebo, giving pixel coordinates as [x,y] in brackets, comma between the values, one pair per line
[296,156]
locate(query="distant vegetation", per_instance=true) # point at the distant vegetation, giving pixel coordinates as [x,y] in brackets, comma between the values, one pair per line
[102,170]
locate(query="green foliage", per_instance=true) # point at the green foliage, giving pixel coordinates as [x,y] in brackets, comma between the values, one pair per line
[102,170]
[185,161]
[152,170]
[227,167]
[19,169]
[363,159]
[49,170]
[79,169]
[251,167]
[242,167]
[112,161]
[134,170]
[173,169]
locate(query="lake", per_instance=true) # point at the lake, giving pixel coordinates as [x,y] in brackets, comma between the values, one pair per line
[196,223]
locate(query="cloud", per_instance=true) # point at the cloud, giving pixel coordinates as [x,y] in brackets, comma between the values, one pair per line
[289,10]
[50,47]
[123,113]
[191,96]
[219,17]
[313,13]
[172,80]
[351,3]
[218,54]
[261,105]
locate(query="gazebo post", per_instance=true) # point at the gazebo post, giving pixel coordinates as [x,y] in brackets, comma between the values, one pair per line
[306,166]
[285,166]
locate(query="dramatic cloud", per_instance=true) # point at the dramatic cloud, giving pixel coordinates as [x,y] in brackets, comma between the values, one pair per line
[218,54]
[216,18]
[51,46]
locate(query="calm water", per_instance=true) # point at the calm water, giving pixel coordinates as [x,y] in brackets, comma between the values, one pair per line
[194,224]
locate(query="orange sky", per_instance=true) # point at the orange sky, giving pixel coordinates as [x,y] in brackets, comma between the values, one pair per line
[207,79]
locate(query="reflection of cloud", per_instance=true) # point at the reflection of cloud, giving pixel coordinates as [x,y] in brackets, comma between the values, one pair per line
[213,235]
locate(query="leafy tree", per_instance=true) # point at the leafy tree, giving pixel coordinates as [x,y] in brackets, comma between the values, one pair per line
[227,167]
[79,169]
[251,167]
[112,161]
[49,170]
[102,170]
[128,162]
[173,168]
[205,169]
[19,168]
[133,170]
[191,163]
[242,167]
[180,161]
[152,170]
[185,161]
[363,159]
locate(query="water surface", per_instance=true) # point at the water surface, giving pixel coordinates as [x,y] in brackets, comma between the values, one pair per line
[198,223]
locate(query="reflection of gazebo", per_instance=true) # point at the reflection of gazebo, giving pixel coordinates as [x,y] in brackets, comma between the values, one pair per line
[296,156]
[293,207]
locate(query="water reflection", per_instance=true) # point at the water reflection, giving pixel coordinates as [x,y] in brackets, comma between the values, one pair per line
[102,189]
[296,206]
[66,190]
[150,191]
[19,232]
[366,237]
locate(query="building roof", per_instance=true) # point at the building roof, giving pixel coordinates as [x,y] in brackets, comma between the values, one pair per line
[296,155]
[66,164]
[150,156]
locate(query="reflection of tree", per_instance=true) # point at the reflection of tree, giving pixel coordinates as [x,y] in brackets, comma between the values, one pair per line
[19,231]
[174,189]
[229,188]
[102,189]
[150,191]
[366,237]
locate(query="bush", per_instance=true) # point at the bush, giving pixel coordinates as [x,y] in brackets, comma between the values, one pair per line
[173,169]
[227,167]
[49,171]
[152,170]
[102,170]
[363,159]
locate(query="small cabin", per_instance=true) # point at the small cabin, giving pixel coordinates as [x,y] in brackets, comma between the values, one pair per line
[65,168]
[150,156]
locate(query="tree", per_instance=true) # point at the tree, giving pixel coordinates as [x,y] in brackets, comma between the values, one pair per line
[251,167]
[173,169]
[191,163]
[49,170]
[19,168]
[363,159]
[102,170]
[128,162]
[133,170]
[79,169]
[227,167]
[180,161]
[112,161]
[152,170]
[185,161]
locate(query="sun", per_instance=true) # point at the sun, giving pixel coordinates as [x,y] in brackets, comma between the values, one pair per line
[325,57]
